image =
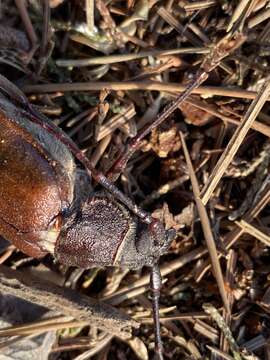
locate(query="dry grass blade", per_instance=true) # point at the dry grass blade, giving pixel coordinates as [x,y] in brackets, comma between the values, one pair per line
[235,141]
[209,238]
[112,59]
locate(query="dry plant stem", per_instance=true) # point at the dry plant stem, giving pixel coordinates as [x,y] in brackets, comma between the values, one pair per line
[139,85]
[206,330]
[156,86]
[112,59]
[263,200]
[252,230]
[115,122]
[100,149]
[235,142]
[65,301]
[206,227]
[19,329]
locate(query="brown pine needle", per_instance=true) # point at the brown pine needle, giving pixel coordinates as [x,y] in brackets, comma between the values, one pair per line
[210,242]
[252,230]
[235,141]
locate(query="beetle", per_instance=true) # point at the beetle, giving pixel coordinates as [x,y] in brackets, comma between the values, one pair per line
[47,206]
[42,210]
[102,229]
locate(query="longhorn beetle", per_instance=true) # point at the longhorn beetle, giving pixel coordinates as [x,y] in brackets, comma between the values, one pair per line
[107,228]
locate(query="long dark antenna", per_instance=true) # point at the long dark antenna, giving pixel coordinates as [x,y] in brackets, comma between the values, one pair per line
[223,48]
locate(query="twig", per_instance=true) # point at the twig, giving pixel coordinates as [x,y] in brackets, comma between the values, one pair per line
[65,301]
[112,59]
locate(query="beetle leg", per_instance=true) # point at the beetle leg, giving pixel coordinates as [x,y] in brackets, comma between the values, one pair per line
[155,285]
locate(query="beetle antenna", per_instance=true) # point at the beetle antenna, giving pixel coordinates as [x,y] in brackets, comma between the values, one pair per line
[155,286]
